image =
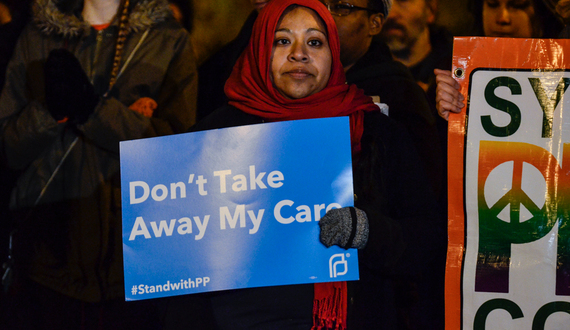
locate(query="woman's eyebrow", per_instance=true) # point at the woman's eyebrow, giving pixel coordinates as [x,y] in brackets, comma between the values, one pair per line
[308,30]
[317,30]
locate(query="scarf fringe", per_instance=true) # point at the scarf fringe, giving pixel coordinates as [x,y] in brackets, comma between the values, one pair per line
[330,306]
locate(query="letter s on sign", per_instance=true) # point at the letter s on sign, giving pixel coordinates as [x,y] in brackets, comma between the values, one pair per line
[503,105]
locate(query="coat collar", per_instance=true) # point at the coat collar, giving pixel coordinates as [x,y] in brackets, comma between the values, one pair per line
[51,20]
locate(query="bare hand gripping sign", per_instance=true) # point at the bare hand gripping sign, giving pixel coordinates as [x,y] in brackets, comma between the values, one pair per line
[509,155]
[234,208]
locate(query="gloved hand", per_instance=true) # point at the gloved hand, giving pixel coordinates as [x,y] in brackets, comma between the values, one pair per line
[69,93]
[346,227]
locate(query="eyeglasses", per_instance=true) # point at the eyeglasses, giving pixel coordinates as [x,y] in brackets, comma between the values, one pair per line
[344,9]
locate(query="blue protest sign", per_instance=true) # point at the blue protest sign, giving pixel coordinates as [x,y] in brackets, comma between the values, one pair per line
[234,207]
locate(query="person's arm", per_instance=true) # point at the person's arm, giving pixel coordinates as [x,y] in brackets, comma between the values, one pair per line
[113,121]
[448,98]
[27,128]
[27,134]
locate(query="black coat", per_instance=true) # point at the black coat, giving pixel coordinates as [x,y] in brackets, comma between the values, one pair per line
[440,57]
[377,73]
[391,187]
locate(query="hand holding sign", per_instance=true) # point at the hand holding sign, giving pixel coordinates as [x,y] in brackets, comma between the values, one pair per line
[346,227]
[447,97]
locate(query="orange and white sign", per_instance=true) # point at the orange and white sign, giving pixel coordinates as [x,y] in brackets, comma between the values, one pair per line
[508,263]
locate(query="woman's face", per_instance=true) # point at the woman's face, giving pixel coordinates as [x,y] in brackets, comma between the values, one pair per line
[508,18]
[301,58]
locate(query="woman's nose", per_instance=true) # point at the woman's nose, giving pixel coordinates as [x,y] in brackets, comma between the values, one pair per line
[503,16]
[298,52]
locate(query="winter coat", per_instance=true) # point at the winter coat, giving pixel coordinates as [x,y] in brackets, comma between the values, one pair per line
[440,57]
[391,186]
[378,74]
[70,239]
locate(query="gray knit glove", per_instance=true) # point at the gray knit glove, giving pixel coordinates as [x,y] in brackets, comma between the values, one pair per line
[346,227]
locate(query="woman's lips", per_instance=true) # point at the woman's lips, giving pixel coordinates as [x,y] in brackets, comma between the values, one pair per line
[298,73]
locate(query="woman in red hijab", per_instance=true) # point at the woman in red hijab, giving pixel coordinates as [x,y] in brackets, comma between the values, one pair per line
[291,70]
[251,88]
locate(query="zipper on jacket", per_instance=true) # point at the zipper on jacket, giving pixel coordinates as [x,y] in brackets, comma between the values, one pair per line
[96,55]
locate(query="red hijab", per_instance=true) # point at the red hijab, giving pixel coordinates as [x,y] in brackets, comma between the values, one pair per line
[250,89]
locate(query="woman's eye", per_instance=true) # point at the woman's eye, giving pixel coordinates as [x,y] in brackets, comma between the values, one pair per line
[315,43]
[492,4]
[281,41]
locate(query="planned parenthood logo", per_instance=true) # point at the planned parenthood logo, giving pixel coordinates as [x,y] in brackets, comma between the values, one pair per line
[336,262]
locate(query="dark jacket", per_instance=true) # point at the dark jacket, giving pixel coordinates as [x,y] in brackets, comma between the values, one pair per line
[9,33]
[70,239]
[440,57]
[391,187]
[379,75]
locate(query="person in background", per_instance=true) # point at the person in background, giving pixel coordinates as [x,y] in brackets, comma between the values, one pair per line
[495,18]
[416,41]
[369,65]
[14,15]
[515,19]
[290,70]
[214,72]
[85,75]
[500,18]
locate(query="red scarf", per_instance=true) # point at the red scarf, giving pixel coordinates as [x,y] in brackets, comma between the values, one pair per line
[249,89]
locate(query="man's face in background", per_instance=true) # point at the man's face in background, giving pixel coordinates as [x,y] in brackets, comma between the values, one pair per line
[407,20]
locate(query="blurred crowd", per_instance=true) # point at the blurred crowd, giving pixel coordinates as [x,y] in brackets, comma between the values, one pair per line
[67,114]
